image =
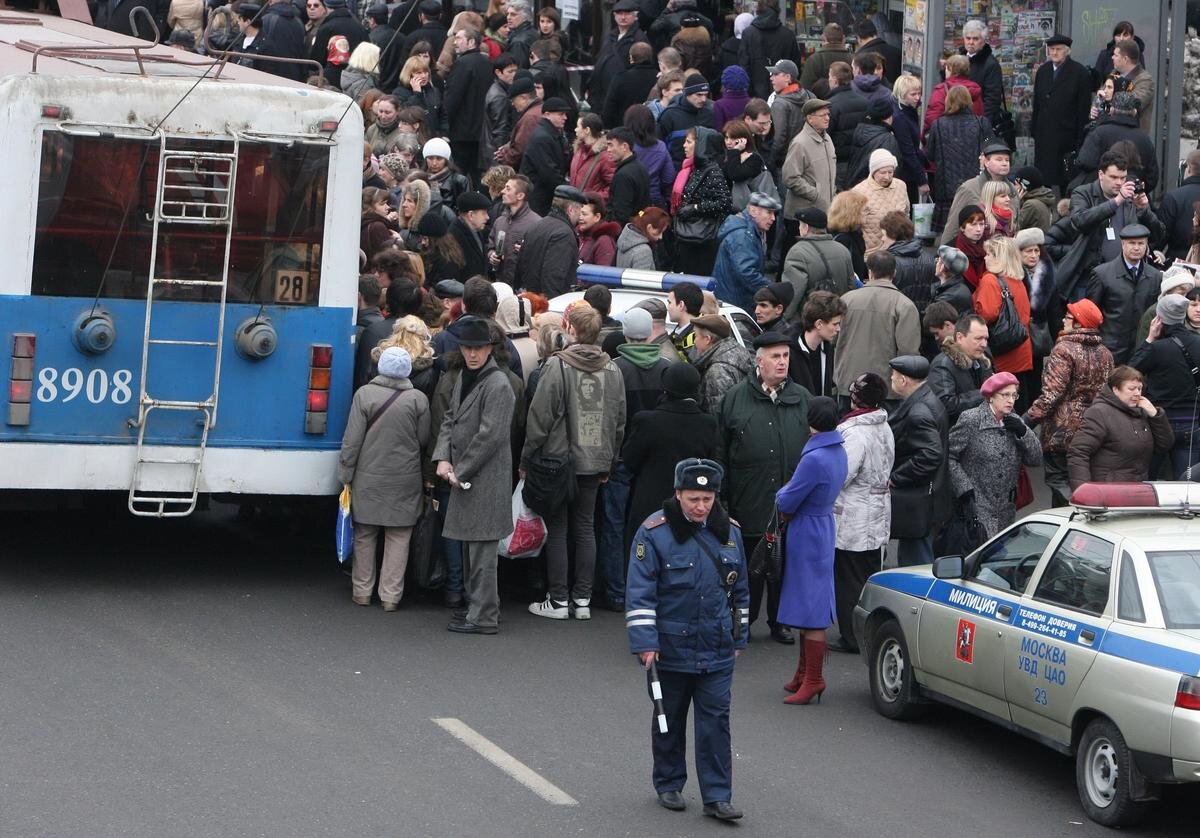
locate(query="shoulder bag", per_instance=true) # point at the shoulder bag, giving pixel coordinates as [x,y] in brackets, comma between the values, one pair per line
[550,481]
[728,579]
[1007,332]
[696,228]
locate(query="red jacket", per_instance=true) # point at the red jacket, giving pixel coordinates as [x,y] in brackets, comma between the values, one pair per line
[591,171]
[987,302]
[598,246]
[937,101]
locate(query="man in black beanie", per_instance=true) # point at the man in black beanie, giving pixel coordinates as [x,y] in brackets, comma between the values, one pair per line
[691,110]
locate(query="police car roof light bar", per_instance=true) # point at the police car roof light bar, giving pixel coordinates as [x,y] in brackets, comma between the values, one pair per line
[1175,498]
[638,278]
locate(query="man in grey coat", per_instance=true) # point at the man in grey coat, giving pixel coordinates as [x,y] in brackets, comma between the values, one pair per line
[509,231]
[473,455]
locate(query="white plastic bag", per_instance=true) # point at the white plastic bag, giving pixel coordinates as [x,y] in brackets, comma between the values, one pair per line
[922,217]
[529,530]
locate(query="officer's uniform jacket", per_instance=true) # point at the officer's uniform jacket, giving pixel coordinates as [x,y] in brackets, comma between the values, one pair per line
[675,602]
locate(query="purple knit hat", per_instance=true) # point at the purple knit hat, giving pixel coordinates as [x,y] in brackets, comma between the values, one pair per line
[734,77]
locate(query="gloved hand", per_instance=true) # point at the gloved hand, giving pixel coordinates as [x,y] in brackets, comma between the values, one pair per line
[1014,425]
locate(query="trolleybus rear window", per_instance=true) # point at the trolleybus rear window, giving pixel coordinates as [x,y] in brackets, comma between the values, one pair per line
[97,197]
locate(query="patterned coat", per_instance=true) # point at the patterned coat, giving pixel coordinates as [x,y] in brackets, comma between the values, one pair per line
[862,513]
[984,459]
[880,201]
[725,365]
[1073,373]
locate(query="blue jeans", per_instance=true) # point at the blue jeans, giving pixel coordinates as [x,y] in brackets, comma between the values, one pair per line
[613,557]
[914,551]
[1186,451]
[451,550]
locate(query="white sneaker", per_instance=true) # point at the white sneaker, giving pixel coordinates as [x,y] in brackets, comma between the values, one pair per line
[583,609]
[550,608]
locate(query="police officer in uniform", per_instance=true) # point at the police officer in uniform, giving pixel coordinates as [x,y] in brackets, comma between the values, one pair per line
[691,617]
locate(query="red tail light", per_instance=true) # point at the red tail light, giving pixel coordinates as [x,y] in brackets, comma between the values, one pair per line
[1188,695]
[320,375]
[20,379]
[322,355]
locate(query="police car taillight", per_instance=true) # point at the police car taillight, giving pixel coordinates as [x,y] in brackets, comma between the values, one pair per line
[20,379]
[1188,694]
[320,374]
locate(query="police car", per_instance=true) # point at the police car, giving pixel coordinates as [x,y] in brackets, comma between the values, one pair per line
[1078,627]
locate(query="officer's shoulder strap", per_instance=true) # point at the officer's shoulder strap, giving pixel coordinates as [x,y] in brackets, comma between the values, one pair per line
[655,520]
[734,523]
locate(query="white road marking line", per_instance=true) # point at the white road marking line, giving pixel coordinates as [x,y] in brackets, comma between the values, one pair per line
[506,762]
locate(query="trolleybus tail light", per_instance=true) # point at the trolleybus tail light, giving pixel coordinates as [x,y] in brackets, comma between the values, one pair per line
[20,379]
[1188,695]
[316,406]
[54,112]
[328,126]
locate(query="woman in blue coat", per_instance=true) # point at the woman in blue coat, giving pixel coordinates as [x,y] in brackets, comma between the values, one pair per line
[807,600]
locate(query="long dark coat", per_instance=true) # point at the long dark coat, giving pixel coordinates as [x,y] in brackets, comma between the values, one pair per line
[920,477]
[953,144]
[1060,110]
[545,163]
[658,439]
[807,597]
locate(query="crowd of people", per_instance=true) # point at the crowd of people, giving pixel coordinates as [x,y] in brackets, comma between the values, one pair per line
[906,378]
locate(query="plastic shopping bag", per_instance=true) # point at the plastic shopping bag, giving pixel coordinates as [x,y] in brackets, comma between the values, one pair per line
[344,534]
[529,530]
[922,217]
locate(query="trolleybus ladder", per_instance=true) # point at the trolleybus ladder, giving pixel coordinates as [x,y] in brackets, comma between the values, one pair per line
[204,199]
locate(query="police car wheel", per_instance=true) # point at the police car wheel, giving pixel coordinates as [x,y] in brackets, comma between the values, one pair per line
[893,690]
[1103,770]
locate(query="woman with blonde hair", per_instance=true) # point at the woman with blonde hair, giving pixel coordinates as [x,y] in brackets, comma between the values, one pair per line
[417,90]
[414,203]
[845,225]
[1004,279]
[906,125]
[996,200]
[412,335]
[362,73]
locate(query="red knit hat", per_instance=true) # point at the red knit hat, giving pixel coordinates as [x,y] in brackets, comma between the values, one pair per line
[1086,313]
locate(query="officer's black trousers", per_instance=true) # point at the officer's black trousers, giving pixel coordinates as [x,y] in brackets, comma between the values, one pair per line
[709,693]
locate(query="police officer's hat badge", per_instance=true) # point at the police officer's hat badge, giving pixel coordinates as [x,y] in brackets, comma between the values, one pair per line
[701,480]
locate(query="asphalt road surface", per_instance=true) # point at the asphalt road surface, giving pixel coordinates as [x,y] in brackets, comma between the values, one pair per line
[211,677]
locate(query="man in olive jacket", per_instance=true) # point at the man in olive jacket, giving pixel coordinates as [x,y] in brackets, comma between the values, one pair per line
[761,430]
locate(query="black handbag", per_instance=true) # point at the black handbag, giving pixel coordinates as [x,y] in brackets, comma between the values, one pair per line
[550,481]
[694,228]
[1007,332]
[961,535]
[426,564]
[766,562]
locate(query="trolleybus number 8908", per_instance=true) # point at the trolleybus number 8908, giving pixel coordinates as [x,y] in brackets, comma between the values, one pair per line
[97,386]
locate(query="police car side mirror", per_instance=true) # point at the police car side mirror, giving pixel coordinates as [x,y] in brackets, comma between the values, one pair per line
[948,567]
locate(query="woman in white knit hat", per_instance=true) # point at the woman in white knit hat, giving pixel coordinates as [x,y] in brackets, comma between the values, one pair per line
[884,193]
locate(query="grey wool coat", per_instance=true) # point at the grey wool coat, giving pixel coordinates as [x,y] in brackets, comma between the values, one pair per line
[383,467]
[475,439]
[985,459]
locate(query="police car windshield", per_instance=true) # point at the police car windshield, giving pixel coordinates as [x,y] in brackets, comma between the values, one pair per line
[1177,577]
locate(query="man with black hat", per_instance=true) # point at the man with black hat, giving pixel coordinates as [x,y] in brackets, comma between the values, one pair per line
[721,361]
[337,36]
[764,42]
[1122,288]
[473,455]
[431,29]
[613,57]
[738,268]
[545,160]
[920,483]
[282,36]
[815,262]
[379,31]
[995,162]
[762,426]
[704,628]
[448,292]
[1038,202]
[467,86]
[467,229]
[549,258]
[1062,96]
[691,109]
[527,114]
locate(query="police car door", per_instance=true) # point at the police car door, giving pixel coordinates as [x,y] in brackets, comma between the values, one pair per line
[963,621]
[1056,632]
